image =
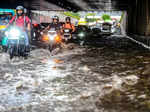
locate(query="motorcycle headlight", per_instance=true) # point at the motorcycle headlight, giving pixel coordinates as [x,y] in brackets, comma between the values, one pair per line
[52,37]
[14,32]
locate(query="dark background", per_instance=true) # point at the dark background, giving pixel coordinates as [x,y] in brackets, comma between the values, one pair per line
[71,5]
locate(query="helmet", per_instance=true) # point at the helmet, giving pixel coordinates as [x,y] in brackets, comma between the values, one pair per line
[20,8]
[55,17]
[68,18]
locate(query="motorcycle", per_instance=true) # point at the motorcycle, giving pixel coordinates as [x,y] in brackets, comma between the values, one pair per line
[67,35]
[16,42]
[51,38]
[36,30]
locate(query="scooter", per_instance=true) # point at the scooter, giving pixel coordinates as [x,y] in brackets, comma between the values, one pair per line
[67,35]
[51,38]
[16,42]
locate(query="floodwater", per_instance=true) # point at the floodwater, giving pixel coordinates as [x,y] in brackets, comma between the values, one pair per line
[109,76]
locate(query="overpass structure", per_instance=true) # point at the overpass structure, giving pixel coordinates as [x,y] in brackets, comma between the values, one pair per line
[138,11]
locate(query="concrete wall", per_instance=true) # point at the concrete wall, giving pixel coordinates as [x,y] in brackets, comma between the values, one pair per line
[139,17]
[46,16]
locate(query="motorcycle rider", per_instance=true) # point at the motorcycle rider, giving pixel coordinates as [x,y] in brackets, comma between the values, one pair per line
[69,25]
[22,21]
[55,24]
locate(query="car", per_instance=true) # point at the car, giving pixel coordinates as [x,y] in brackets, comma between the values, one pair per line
[36,30]
[106,28]
[82,34]
[5,17]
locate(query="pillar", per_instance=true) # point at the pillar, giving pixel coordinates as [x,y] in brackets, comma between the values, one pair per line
[139,17]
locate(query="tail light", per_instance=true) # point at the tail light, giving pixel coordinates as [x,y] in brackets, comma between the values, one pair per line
[35,25]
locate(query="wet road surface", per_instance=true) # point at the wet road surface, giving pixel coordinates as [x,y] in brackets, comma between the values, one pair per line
[78,79]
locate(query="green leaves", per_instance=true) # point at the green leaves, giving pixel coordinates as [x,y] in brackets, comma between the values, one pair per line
[106,17]
[73,15]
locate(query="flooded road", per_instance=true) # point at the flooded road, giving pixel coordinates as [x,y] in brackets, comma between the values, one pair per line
[111,77]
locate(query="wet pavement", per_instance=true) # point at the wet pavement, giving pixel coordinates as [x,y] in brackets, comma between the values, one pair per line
[109,77]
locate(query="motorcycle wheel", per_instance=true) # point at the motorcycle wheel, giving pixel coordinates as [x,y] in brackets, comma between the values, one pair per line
[66,40]
[11,52]
[26,52]
[21,50]
[51,47]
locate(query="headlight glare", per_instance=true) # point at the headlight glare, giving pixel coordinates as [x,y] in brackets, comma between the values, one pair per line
[14,32]
[81,34]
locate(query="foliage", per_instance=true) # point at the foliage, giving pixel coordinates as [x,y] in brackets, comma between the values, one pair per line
[106,17]
[90,14]
[73,15]
[90,19]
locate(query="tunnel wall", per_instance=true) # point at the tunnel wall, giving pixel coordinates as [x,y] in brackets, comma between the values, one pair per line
[139,17]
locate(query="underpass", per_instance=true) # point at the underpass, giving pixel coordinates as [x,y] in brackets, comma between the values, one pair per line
[107,74]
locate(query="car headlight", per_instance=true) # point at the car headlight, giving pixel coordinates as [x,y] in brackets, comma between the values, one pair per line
[34,34]
[81,34]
